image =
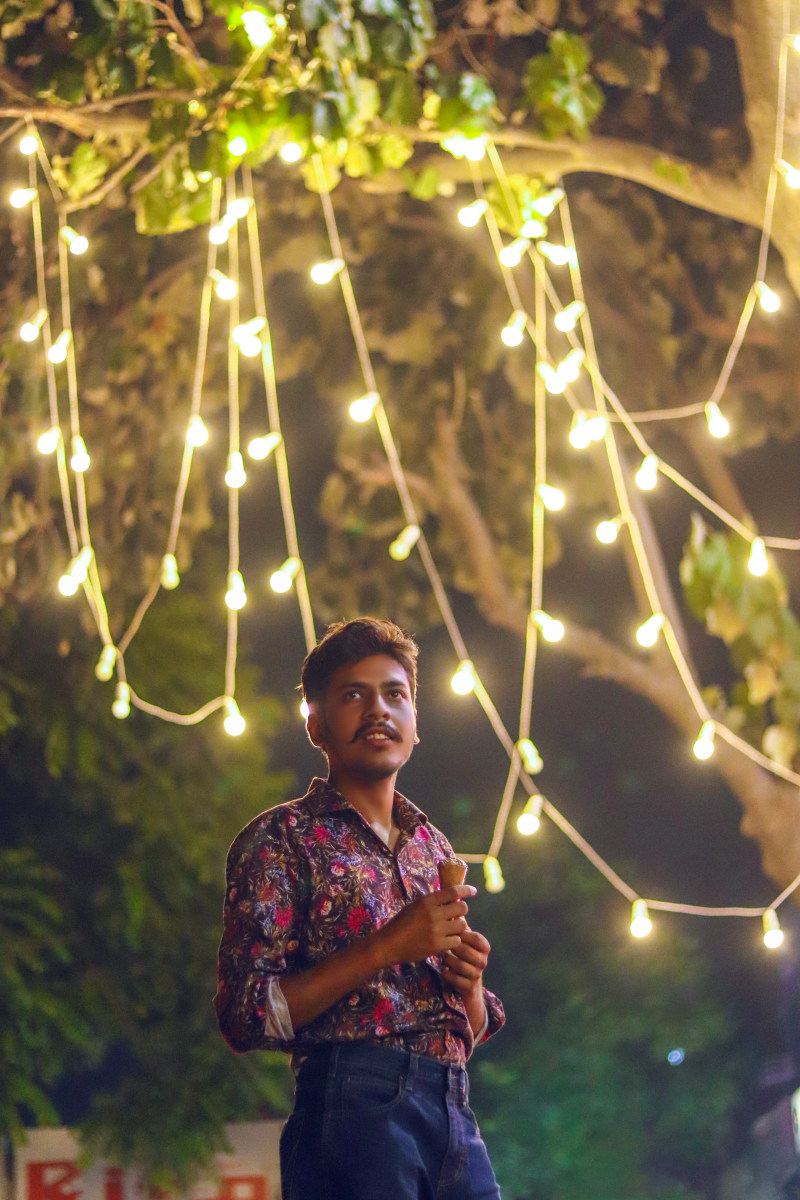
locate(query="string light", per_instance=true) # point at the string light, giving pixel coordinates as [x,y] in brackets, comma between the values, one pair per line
[30,330]
[121,707]
[648,631]
[530,818]
[29,144]
[77,572]
[530,756]
[237,146]
[323,272]
[773,934]
[461,146]
[552,630]
[245,336]
[647,475]
[197,432]
[282,579]
[640,925]
[47,442]
[545,205]
[261,447]
[492,874]
[404,543]
[20,197]
[596,426]
[235,476]
[219,234]
[770,301]
[552,497]
[579,437]
[718,423]
[566,320]
[470,214]
[607,531]
[533,228]
[463,682]
[76,242]
[226,287]
[512,254]
[362,409]
[512,333]
[236,596]
[106,663]
[58,351]
[553,381]
[291,152]
[704,746]
[80,460]
[559,256]
[257,27]
[237,210]
[169,572]
[758,563]
[790,174]
[234,723]
[570,368]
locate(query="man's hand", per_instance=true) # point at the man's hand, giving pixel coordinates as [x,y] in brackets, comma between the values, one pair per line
[465,963]
[429,925]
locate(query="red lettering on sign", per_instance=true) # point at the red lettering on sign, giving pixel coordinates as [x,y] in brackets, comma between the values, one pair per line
[51,1181]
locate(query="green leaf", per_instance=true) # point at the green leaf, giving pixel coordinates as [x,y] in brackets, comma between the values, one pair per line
[425,185]
[476,92]
[404,105]
[87,168]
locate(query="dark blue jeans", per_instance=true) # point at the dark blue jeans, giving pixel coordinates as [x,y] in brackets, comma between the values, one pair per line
[375,1123]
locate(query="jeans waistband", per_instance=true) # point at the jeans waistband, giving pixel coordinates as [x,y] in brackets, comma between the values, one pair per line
[325,1062]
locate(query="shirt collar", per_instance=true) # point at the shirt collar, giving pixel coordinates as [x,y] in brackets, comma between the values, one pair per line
[322,797]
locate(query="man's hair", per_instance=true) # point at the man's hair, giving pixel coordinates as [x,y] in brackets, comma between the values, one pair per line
[349,642]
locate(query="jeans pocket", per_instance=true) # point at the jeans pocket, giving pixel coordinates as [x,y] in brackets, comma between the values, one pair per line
[365,1091]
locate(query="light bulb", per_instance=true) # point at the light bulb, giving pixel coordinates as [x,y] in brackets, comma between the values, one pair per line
[305,710]
[226,287]
[596,427]
[475,149]
[30,330]
[531,758]
[559,256]
[106,663]
[250,347]
[770,301]
[463,682]
[218,234]
[512,254]
[470,214]
[235,476]
[492,874]
[248,330]
[76,242]
[790,174]
[21,196]
[324,272]
[553,381]
[237,210]
[552,497]
[579,437]
[533,228]
[607,531]
[461,146]
[237,146]
[545,205]
[236,596]
[647,475]
[718,424]
[47,442]
[80,460]
[261,447]
[169,572]
[197,431]
[234,723]
[290,152]
[77,572]
[405,541]
[570,368]
[122,701]
[29,144]
[512,333]
[648,631]
[58,351]
[282,579]
[362,409]
[257,27]
[530,818]
[552,630]
[566,320]
[758,563]
[773,934]
[640,925]
[704,746]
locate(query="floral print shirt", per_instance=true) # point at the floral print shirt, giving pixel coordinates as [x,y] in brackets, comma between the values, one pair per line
[305,879]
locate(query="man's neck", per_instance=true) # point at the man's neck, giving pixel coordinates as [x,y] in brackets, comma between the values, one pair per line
[373,798]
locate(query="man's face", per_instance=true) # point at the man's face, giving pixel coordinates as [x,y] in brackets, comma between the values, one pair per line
[366,722]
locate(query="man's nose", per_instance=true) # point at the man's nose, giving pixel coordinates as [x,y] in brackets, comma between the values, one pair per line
[376,706]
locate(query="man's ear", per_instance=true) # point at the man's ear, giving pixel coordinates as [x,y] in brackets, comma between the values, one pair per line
[316,730]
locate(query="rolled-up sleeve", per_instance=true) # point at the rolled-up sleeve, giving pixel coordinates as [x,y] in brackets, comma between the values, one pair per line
[262,920]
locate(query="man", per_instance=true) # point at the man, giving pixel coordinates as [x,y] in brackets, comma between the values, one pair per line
[340,947]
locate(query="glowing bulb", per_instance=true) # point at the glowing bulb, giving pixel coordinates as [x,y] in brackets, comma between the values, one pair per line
[250,347]
[305,710]
[30,330]
[531,758]
[570,368]
[236,596]
[282,579]
[463,682]
[237,210]
[552,497]
[362,409]
[234,723]
[553,381]
[758,563]
[552,630]
[461,146]
[770,301]
[218,234]
[492,874]
[48,441]
[647,475]
[290,152]
[718,424]
[607,531]
[237,146]
[77,572]
[21,196]
[533,228]
[545,205]
[261,447]
[648,631]
[76,242]
[247,331]
[470,214]
[235,476]
[68,585]
[122,701]
[704,746]
[29,144]
[566,320]
[579,437]
[169,572]
[197,432]
[324,272]
[559,256]
[596,427]
[790,174]
[512,333]
[640,925]
[257,27]
[106,663]
[512,254]
[773,934]
[80,460]
[58,351]
[530,818]
[405,541]
[226,287]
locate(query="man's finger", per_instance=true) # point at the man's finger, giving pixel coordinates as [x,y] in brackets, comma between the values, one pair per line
[473,938]
[461,891]
[466,954]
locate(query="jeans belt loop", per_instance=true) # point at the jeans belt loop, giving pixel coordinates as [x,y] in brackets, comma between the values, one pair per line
[330,1087]
[411,1071]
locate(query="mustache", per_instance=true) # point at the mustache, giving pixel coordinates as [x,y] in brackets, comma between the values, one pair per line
[373,728]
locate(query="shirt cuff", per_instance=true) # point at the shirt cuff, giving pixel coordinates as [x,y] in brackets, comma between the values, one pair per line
[277,1021]
[481,1032]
